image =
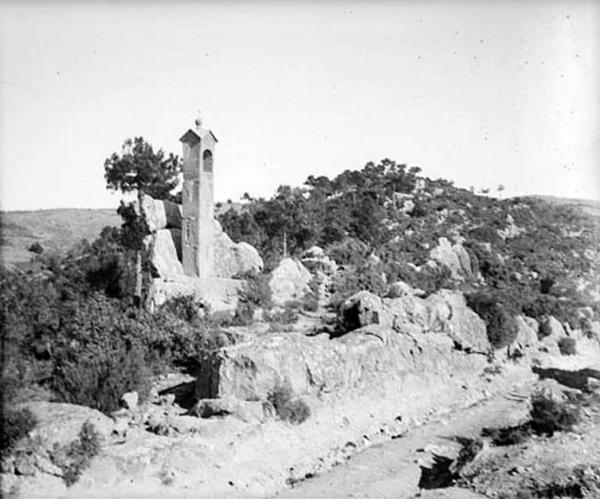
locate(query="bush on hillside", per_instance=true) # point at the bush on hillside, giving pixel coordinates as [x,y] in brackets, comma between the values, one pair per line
[16,424]
[73,459]
[186,308]
[99,376]
[567,346]
[369,277]
[256,294]
[287,407]
[549,415]
[36,248]
[501,326]
[485,234]
[85,347]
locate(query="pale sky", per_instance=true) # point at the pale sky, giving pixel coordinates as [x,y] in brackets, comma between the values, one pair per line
[482,93]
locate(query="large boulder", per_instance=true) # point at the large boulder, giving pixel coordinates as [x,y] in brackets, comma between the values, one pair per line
[551,328]
[243,409]
[160,214]
[164,220]
[164,255]
[527,329]
[550,331]
[251,371]
[234,259]
[443,312]
[363,309]
[289,281]
[464,326]
[315,260]
[455,257]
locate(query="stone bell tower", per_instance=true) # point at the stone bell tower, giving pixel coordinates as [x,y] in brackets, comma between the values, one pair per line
[197,235]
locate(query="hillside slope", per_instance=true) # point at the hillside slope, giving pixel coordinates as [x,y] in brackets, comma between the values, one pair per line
[56,230]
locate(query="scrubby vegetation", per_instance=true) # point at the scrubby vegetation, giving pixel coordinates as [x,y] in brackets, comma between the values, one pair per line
[72,327]
[380,224]
[499,319]
[546,417]
[287,407]
[16,424]
[75,458]
[567,346]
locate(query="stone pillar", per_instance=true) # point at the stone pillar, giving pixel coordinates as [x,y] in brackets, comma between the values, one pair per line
[197,235]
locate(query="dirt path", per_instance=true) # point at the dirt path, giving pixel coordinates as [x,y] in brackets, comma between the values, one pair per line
[391,469]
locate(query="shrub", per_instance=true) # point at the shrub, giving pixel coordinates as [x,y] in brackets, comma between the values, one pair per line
[87,348]
[501,326]
[255,294]
[549,415]
[546,284]
[485,234]
[510,435]
[75,458]
[36,248]
[99,377]
[567,346]
[287,315]
[15,426]
[288,408]
[348,252]
[369,276]
[187,308]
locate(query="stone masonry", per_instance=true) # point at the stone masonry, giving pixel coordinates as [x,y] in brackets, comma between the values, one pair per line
[197,238]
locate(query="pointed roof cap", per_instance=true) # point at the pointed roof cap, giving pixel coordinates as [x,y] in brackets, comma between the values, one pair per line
[195,136]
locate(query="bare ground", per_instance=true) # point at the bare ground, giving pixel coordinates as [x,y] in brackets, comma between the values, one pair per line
[566,463]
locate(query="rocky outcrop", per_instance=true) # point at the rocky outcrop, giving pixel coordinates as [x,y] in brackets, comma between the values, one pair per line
[511,230]
[315,260]
[289,281]
[527,334]
[307,365]
[59,424]
[323,269]
[164,255]
[400,288]
[443,312]
[363,309]
[550,331]
[234,259]
[218,292]
[550,327]
[160,214]
[163,219]
[218,295]
[249,411]
[455,257]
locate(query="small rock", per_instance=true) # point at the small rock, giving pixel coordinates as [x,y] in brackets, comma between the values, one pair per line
[168,399]
[45,465]
[24,465]
[130,400]
[593,384]
[121,426]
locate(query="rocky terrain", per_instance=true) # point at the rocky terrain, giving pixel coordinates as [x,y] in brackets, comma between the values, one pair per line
[368,362]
